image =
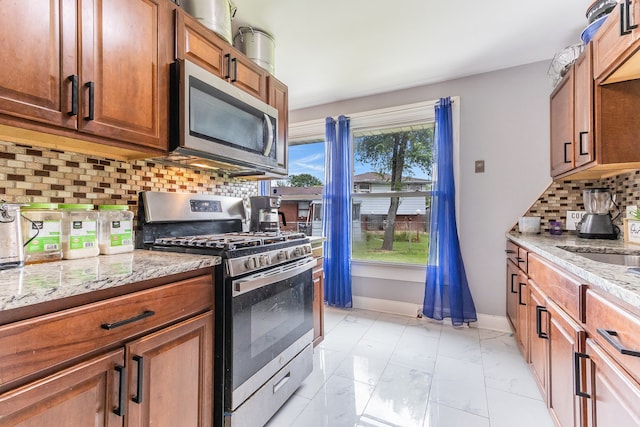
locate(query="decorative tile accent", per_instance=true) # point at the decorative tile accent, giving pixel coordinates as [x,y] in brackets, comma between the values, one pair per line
[41,175]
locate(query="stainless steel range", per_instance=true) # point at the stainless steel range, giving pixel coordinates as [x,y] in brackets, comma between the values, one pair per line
[264,299]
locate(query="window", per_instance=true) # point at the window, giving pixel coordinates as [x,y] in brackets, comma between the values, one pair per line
[385,203]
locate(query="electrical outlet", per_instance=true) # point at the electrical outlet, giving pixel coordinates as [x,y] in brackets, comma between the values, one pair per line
[479,166]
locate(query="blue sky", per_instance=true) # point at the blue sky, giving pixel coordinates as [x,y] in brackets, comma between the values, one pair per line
[309,158]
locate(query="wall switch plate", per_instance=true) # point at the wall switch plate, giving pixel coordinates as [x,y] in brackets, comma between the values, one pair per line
[479,164]
[631,211]
[574,217]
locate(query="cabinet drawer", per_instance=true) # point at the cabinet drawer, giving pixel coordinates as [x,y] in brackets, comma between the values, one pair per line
[39,344]
[517,255]
[561,287]
[616,330]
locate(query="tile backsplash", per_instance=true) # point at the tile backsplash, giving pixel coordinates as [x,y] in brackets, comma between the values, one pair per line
[563,196]
[33,174]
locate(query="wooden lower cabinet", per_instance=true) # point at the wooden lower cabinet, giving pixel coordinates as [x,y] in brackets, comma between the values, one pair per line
[83,395]
[318,303]
[611,394]
[170,376]
[538,329]
[512,294]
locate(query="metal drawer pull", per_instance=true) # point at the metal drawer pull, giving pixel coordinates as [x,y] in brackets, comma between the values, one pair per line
[576,374]
[74,95]
[277,386]
[520,259]
[138,396]
[92,88]
[520,285]
[143,315]
[513,276]
[539,310]
[119,411]
[608,335]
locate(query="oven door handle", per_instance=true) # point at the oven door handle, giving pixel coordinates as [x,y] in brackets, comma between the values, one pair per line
[245,285]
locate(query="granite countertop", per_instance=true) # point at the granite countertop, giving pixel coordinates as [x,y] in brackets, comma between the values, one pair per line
[46,282]
[614,279]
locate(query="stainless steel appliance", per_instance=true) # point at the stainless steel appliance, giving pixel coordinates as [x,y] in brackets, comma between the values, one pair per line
[265,215]
[11,247]
[214,124]
[597,222]
[264,299]
[214,14]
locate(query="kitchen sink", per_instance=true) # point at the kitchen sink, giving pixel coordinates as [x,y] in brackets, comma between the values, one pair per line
[631,260]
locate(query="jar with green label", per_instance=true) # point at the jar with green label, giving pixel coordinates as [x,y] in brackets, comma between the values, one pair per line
[115,229]
[79,231]
[42,230]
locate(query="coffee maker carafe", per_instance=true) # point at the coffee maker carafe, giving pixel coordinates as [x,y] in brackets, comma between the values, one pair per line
[264,214]
[597,222]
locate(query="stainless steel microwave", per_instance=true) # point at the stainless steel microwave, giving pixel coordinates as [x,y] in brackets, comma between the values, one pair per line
[215,124]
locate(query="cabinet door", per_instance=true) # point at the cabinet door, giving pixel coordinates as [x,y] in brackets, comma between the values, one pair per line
[171,376]
[610,42]
[248,75]
[38,57]
[512,294]
[566,338]
[583,135]
[522,336]
[613,396]
[562,125]
[318,304]
[124,84]
[199,45]
[86,394]
[538,338]
[279,99]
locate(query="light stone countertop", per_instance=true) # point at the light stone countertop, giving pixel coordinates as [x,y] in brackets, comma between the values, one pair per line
[46,282]
[614,279]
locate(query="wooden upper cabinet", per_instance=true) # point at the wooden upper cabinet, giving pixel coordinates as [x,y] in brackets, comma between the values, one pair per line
[583,132]
[279,99]
[196,43]
[612,43]
[38,55]
[562,125]
[122,78]
[202,46]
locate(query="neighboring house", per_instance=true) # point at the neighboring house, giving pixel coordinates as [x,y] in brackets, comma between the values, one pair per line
[302,206]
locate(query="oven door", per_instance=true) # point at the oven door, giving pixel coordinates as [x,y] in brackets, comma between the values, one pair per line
[272,321]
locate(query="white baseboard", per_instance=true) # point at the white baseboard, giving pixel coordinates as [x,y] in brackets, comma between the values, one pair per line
[485,321]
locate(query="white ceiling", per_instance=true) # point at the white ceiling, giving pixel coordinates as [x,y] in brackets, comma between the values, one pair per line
[329,50]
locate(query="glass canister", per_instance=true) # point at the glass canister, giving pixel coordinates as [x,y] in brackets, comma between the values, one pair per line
[115,229]
[11,253]
[42,230]
[79,231]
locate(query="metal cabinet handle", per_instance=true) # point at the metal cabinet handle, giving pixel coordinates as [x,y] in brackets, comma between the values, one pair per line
[565,152]
[520,259]
[608,335]
[539,310]
[122,371]
[510,251]
[580,145]
[513,276]
[520,285]
[143,315]
[92,88]
[625,18]
[74,95]
[137,398]
[576,374]
[235,70]
[227,58]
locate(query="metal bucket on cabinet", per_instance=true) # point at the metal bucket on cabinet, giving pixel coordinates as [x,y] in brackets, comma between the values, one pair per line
[214,14]
[257,46]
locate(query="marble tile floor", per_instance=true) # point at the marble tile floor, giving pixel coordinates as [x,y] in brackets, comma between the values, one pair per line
[378,370]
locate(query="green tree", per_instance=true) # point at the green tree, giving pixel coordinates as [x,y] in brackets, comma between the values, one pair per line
[394,155]
[304,180]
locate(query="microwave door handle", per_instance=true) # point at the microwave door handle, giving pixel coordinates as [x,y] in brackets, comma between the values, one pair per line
[270,139]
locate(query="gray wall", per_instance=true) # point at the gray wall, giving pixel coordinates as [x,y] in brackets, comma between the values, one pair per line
[505,122]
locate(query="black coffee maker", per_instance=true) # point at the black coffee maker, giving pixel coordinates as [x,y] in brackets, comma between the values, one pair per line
[265,216]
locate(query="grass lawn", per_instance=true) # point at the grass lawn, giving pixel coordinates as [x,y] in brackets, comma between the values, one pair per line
[414,252]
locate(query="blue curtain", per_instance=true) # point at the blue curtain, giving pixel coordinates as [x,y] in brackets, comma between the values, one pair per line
[447,291]
[336,214]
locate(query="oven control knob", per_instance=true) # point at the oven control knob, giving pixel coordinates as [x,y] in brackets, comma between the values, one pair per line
[264,260]
[251,263]
[283,255]
[307,249]
[297,251]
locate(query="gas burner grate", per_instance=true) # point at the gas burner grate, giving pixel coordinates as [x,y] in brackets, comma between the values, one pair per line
[229,241]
